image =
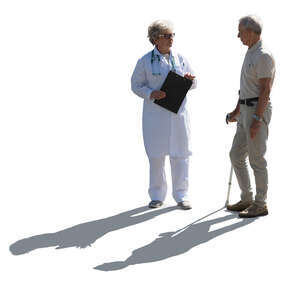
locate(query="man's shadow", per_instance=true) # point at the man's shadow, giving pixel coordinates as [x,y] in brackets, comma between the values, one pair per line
[85,234]
[170,244]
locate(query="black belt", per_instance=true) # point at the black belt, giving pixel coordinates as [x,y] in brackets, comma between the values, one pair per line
[248,101]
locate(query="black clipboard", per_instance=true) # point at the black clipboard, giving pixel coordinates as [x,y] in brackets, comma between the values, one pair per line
[176,88]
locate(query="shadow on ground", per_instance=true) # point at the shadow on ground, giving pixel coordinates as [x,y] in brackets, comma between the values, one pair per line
[170,244]
[85,234]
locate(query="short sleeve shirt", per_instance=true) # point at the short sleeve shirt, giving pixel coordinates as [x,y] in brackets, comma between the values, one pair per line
[258,63]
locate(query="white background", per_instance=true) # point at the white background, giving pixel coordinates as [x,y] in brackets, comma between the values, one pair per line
[72,152]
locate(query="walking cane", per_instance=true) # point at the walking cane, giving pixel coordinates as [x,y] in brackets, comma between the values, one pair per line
[231,171]
[229,186]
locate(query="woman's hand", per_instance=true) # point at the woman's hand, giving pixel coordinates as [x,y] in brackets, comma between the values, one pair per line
[189,76]
[157,95]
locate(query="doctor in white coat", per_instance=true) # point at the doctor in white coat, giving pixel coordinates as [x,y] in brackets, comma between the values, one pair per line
[164,132]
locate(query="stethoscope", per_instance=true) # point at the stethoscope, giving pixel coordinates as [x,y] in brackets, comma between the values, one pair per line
[157,57]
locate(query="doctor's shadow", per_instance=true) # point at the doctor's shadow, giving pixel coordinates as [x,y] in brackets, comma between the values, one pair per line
[85,234]
[171,244]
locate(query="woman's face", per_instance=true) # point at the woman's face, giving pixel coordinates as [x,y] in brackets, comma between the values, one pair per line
[165,40]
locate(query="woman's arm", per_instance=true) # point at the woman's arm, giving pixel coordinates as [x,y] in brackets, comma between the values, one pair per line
[139,81]
[187,69]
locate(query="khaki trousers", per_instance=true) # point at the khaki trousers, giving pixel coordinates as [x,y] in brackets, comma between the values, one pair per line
[243,146]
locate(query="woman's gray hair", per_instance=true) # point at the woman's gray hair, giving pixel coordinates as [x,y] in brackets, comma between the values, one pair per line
[157,27]
[252,23]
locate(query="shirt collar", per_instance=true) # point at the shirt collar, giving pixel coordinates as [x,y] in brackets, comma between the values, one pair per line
[156,52]
[257,45]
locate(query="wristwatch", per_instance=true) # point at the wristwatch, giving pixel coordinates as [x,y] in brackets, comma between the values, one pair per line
[256,117]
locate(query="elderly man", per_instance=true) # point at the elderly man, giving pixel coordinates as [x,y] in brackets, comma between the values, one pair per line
[253,114]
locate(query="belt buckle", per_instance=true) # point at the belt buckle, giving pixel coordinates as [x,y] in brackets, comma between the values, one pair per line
[249,102]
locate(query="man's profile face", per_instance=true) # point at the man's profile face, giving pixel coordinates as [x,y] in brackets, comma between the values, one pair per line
[244,35]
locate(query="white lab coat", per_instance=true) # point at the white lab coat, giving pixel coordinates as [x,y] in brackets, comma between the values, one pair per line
[164,132]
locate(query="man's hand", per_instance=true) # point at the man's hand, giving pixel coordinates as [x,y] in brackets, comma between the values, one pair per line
[157,95]
[254,128]
[231,117]
[189,76]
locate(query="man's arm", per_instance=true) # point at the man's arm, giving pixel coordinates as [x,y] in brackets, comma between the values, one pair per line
[264,95]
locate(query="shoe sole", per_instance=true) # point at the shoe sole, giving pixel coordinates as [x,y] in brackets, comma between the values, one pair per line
[155,206]
[185,207]
[237,210]
[251,216]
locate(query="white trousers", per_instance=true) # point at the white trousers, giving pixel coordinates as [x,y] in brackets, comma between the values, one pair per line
[158,184]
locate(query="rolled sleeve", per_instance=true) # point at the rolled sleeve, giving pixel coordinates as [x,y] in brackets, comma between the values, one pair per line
[265,66]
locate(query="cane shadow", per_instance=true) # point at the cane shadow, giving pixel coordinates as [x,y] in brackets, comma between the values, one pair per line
[171,244]
[85,234]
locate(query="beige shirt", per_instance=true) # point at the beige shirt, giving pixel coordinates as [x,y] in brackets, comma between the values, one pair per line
[258,63]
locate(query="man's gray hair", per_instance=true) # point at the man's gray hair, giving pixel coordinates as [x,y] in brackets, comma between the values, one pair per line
[252,23]
[157,27]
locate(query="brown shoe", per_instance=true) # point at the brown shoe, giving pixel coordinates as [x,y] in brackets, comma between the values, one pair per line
[254,211]
[240,206]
